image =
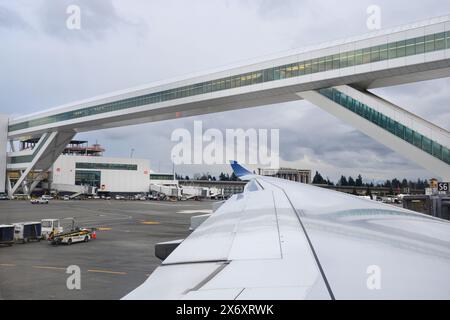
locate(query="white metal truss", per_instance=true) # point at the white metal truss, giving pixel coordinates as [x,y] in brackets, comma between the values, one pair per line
[49,149]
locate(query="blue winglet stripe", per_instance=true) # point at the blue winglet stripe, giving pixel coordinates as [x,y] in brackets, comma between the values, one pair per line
[239,170]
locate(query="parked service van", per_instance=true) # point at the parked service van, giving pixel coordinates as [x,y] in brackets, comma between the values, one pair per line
[6,234]
[27,231]
[49,226]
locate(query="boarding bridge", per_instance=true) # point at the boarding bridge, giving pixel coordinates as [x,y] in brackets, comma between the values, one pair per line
[74,190]
[168,191]
[189,192]
[347,69]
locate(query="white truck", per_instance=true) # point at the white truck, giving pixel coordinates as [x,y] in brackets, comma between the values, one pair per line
[56,226]
[49,226]
[39,201]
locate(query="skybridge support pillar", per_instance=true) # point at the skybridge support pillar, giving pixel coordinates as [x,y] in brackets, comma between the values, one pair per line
[415,138]
[3,143]
[37,161]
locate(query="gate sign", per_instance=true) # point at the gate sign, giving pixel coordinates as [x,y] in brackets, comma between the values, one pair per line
[443,186]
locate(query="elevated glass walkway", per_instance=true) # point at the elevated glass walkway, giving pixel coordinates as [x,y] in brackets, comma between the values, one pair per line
[409,135]
[387,51]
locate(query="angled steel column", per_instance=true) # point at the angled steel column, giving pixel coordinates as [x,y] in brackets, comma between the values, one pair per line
[48,158]
[31,165]
[413,137]
[49,148]
[3,143]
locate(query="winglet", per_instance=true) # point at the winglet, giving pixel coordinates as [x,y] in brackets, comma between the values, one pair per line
[239,170]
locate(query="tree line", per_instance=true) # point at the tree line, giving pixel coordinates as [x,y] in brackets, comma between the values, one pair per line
[208,177]
[359,182]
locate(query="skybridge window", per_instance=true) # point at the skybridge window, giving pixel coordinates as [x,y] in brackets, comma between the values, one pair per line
[375,54]
[358,57]
[329,63]
[439,41]
[401,49]
[392,50]
[420,45]
[410,47]
[429,43]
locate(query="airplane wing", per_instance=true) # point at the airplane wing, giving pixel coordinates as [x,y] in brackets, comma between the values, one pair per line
[287,240]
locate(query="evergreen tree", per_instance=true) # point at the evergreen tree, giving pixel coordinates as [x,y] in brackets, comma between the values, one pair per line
[318,179]
[359,181]
[404,183]
[351,182]
[343,181]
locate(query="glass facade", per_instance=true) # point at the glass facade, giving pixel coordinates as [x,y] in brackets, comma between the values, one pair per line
[105,166]
[382,52]
[89,178]
[415,138]
[160,176]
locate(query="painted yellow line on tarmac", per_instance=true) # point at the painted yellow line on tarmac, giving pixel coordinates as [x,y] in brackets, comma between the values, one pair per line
[107,271]
[49,268]
[7,265]
[150,222]
[104,229]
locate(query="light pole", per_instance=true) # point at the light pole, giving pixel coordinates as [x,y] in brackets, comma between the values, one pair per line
[173,167]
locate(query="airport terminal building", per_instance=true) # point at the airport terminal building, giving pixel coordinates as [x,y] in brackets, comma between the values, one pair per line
[122,175]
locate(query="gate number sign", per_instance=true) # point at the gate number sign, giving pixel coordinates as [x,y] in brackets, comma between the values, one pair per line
[443,186]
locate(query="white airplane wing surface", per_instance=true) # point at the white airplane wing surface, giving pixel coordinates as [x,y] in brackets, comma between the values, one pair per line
[287,240]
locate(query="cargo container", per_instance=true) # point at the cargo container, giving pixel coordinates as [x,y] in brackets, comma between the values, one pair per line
[6,234]
[27,231]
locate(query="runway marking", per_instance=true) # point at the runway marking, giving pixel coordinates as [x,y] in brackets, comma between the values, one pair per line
[49,268]
[196,211]
[107,271]
[7,265]
[150,222]
[60,268]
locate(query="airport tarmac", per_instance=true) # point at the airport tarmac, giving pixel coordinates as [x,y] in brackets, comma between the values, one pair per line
[119,260]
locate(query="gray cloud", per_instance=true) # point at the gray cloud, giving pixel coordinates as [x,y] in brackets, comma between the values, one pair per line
[98,19]
[10,19]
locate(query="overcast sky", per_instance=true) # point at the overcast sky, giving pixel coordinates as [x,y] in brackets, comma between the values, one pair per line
[122,44]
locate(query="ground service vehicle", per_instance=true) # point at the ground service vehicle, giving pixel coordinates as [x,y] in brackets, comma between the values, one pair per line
[49,226]
[77,235]
[39,201]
